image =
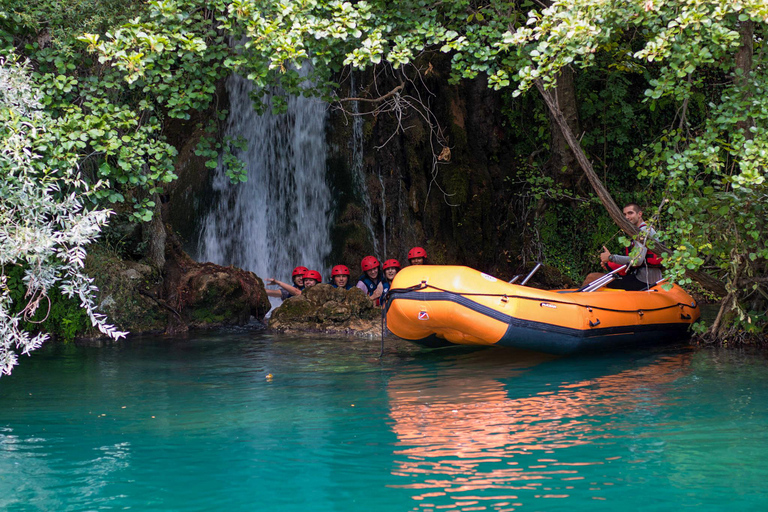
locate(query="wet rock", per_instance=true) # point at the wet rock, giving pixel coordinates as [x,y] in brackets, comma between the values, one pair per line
[329,310]
[185,295]
[212,295]
[132,274]
[122,293]
[204,295]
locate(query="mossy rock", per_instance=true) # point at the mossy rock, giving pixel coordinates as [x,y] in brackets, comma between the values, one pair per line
[333,311]
[215,295]
[324,308]
[359,303]
[297,308]
[319,294]
[120,285]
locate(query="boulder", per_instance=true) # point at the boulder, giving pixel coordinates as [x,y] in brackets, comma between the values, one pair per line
[329,310]
[203,295]
[183,295]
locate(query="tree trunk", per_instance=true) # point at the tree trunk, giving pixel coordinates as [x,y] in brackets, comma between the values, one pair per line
[562,164]
[155,236]
[708,282]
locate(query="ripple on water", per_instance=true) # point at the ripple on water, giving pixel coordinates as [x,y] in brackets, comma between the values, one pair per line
[195,424]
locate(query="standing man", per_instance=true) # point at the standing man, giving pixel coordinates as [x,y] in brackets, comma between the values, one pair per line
[644,266]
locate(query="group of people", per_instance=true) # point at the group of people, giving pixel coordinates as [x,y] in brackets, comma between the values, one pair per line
[642,272]
[375,280]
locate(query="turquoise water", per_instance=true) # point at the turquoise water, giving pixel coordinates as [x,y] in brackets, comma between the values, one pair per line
[197,425]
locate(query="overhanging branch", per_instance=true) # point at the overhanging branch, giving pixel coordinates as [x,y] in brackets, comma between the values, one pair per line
[708,282]
[391,93]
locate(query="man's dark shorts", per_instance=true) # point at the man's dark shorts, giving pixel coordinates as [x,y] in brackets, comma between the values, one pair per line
[628,282]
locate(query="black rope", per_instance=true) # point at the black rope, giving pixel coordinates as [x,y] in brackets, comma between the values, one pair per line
[383,324]
[423,286]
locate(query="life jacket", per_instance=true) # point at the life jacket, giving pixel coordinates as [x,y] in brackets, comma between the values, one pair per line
[370,284]
[651,258]
[348,287]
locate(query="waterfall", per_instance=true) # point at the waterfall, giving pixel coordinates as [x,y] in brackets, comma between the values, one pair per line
[280,217]
[383,217]
[358,170]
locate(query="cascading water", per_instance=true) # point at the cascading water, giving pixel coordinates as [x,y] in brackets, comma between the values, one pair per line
[383,216]
[280,217]
[358,171]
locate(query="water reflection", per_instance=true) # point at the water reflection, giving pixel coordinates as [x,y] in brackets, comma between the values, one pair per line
[479,440]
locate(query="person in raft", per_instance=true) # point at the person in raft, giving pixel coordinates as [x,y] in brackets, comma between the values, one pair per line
[370,281]
[417,256]
[287,290]
[390,267]
[645,266]
[340,277]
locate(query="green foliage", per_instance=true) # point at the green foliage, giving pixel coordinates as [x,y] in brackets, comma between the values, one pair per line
[572,237]
[660,79]
[44,227]
[212,149]
[58,315]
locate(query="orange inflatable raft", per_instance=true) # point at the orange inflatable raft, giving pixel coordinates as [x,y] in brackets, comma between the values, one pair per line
[432,305]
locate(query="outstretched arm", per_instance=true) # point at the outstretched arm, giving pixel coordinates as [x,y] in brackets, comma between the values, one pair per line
[285,286]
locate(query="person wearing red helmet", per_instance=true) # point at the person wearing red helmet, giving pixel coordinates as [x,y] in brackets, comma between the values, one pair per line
[370,281]
[298,275]
[391,268]
[287,290]
[311,278]
[417,256]
[340,277]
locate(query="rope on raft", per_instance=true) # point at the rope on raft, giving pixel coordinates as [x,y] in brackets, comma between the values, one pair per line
[423,286]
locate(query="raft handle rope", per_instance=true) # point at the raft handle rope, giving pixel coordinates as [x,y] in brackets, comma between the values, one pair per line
[383,326]
[423,286]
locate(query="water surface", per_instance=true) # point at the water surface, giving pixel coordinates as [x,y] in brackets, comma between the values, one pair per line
[250,421]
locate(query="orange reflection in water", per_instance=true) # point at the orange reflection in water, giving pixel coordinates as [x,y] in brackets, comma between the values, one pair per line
[461,432]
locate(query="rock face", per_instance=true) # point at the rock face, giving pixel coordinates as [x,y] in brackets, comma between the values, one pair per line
[208,295]
[186,295]
[324,308]
[120,283]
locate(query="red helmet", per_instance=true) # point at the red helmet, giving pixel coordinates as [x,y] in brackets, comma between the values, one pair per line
[417,252]
[390,264]
[340,270]
[369,262]
[299,271]
[313,274]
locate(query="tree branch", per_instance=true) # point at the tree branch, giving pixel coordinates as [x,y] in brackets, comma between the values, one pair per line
[708,282]
[391,93]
